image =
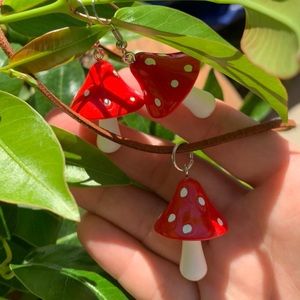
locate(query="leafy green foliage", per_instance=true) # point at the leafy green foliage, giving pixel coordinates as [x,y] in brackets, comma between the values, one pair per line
[65,283]
[12,6]
[272,34]
[31,160]
[86,163]
[255,108]
[212,85]
[55,47]
[48,260]
[28,225]
[63,81]
[195,38]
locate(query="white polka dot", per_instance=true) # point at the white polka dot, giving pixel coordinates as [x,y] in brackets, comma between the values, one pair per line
[86,93]
[132,99]
[187,228]
[188,68]
[220,222]
[183,192]
[174,83]
[115,73]
[171,218]
[201,201]
[107,102]
[150,61]
[157,102]
[162,54]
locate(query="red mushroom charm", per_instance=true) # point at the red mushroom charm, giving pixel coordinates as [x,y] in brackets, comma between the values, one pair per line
[191,217]
[104,95]
[165,79]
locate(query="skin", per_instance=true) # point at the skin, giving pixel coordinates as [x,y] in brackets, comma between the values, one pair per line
[259,256]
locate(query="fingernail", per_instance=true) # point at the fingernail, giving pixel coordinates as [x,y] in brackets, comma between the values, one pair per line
[201,103]
[105,144]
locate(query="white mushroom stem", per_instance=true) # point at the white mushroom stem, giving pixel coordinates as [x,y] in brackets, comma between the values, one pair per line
[192,263]
[201,103]
[103,143]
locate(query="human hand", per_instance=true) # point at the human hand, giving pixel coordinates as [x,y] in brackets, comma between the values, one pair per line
[257,259]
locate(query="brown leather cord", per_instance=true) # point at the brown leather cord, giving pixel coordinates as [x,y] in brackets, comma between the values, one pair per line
[214,141]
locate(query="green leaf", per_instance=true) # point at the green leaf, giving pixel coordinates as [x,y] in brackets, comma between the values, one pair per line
[195,38]
[4,231]
[64,81]
[272,34]
[36,227]
[212,85]
[10,6]
[65,256]
[54,48]
[31,160]
[65,283]
[8,84]
[87,164]
[37,26]
[255,108]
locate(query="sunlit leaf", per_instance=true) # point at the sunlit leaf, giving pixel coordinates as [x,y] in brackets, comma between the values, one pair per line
[272,35]
[31,160]
[195,38]
[55,47]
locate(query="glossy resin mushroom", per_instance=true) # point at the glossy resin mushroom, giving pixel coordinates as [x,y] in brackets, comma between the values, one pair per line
[104,96]
[165,79]
[191,217]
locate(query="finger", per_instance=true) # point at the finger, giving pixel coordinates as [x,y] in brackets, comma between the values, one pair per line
[157,278]
[133,210]
[157,172]
[241,157]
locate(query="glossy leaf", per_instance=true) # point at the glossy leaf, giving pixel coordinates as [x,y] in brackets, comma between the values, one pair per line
[212,85]
[64,81]
[87,164]
[195,38]
[54,48]
[272,34]
[36,227]
[37,26]
[20,5]
[66,256]
[31,160]
[8,84]
[66,283]
[255,108]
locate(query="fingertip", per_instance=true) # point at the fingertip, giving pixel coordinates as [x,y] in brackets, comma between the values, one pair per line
[60,119]
[128,77]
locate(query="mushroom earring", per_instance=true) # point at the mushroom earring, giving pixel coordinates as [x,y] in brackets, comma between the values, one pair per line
[192,218]
[165,79]
[104,96]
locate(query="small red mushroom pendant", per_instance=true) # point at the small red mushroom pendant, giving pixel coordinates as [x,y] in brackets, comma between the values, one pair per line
[191,217]
[104,94]
[165,79]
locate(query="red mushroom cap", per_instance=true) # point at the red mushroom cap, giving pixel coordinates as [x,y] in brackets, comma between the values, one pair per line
[166,79]
[190,215]
[104,94]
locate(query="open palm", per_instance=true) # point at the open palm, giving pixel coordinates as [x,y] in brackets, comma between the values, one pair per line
[259,256]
